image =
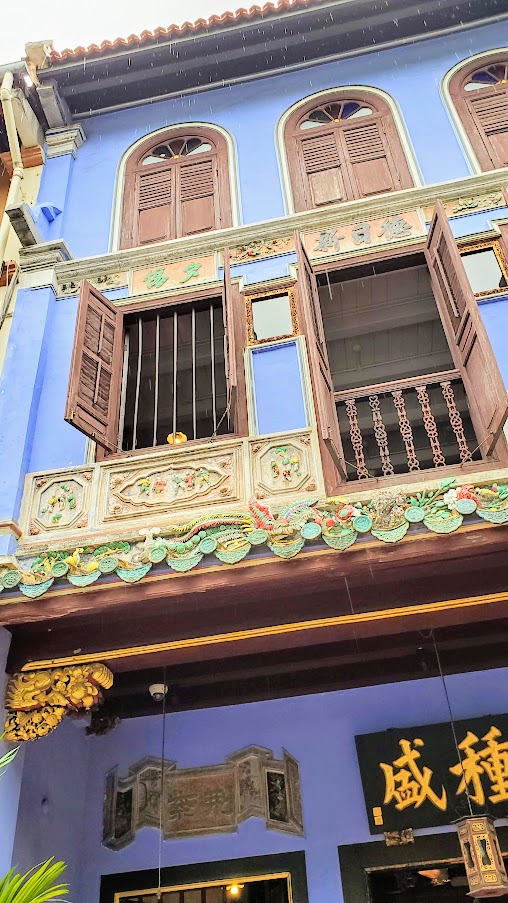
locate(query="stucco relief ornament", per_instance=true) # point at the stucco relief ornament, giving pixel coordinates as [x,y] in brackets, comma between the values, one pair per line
[36,701]
[284,530]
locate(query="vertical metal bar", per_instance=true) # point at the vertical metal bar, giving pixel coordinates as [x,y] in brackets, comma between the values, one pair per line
[123,395]
[193,330]
[156,384]
[138,380]
[212,363]
[175,367]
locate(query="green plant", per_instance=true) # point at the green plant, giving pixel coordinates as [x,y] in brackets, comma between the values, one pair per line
[38,885]
[7,758]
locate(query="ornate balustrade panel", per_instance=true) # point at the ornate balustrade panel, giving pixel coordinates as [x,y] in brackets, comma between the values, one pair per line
[134,490]
[408,426]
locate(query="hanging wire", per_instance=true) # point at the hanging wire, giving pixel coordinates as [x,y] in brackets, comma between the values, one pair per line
[161,797]
[452,723]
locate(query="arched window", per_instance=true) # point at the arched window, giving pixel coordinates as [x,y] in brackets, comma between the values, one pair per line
[480,93]
[343,147]
[176,184]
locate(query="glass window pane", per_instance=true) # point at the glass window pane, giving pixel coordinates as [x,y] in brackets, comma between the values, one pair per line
[271,317]
[483,270]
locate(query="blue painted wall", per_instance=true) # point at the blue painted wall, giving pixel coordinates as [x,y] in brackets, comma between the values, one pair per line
[278,393]
[318,730]
[250,112]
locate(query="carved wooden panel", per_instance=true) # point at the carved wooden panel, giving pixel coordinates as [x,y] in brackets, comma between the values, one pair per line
[171,481]
[284,464]
[207,800]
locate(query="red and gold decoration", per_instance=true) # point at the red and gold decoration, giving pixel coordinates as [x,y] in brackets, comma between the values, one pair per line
[485,870]
[36,701]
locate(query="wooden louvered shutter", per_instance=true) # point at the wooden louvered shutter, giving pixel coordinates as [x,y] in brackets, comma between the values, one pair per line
[322,381]
[230,345]
[154,205]
[490,113]
[369,157]
[93,399]
[323,175]
[467,336]
[199,197]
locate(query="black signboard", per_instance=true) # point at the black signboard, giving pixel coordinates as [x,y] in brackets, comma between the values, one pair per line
[412,777]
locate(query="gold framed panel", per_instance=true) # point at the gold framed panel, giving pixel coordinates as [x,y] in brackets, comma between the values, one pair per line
[273,293]
[490,244]
[120,896]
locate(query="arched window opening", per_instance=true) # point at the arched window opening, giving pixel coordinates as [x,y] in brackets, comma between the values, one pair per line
[176,185]
[343,148]
[480,96]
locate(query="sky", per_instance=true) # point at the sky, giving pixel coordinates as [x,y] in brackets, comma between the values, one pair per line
[69,24]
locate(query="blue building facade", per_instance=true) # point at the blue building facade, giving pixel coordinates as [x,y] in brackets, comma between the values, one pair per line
[319,330]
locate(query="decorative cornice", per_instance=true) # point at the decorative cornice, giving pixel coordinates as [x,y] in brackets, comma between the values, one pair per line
[282,227]
[387,516]
[37,264]
[36,701]
[65,139]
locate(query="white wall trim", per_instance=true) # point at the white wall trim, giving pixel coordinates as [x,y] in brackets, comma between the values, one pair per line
[400,125]
[234,178]
[458,127]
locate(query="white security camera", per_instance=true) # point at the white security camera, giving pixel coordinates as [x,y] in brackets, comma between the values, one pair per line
[157,691]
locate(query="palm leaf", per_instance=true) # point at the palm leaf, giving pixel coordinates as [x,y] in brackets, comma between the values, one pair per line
[9,757]
[38,885]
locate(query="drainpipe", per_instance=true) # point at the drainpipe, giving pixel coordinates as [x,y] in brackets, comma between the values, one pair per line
[17,165]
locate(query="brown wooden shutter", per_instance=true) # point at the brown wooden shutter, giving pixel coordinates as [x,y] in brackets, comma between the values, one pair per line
[490,112]
[322,382]
[230,345]
[467,336]
[199,197]
[93,398]
[155,190]
[323,176]
[369,158]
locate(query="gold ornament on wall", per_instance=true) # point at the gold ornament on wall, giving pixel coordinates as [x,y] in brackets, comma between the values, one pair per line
[36,701]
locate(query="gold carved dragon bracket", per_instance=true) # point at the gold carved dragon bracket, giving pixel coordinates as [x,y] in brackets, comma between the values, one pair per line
[36,701]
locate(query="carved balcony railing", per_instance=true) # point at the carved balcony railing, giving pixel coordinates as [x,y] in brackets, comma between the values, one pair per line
[406,426]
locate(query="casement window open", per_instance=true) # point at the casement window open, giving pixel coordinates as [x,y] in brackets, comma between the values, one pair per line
[139,375]
[403,372]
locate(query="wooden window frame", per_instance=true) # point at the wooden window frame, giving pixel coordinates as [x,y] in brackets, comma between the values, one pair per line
[116,886]
[459,97]
[229,297]
[358,860]
[493,244]
[293,136]
[288,290]
[134,167]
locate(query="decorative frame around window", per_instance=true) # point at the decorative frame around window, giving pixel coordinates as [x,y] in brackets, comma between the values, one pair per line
[261,296]
[494,245]
[483,111]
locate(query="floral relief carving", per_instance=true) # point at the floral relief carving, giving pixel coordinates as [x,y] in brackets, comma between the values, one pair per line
[280,467]
[172,484]
[59,503]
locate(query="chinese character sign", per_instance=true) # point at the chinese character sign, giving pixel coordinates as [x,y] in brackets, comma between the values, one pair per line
[413,778]
[359,237]
[182,274]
